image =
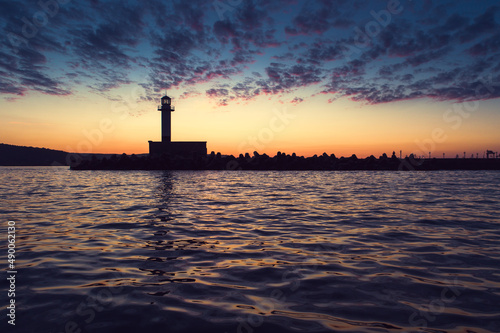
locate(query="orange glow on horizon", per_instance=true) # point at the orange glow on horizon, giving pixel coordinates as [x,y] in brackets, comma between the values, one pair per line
[267,126]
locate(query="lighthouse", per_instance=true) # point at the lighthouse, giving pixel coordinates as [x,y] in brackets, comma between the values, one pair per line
[166,109]
[178,149]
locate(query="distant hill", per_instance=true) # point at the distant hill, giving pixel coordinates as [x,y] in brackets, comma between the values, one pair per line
[11,155]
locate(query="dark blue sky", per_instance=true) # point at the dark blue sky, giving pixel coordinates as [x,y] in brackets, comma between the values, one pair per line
[233,50]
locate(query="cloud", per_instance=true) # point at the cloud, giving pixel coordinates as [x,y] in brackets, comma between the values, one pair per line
[217,92]
[25,71]
[323,51]
[23,59]
[453,23]
[250,16]
[482,24]
[425,57]
[9,87]
[317,18]
[43,83]
[282,78]
[221,94]
[458,84]
[250,27]
[354,68]
[410,40]
[255,48]
[487,46]
[225,30]
[192,13]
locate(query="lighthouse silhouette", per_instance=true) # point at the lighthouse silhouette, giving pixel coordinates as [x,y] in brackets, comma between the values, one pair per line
[182,149]
[166,109]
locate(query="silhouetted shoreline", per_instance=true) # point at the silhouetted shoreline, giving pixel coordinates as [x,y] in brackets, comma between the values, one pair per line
[11,155]
[283,162]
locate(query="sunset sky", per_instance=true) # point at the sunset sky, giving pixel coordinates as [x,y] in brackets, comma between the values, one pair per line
[344,77]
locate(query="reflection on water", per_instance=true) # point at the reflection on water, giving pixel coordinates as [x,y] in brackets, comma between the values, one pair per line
[254,251]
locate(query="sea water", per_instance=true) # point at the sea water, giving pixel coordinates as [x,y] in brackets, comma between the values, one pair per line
[252,251]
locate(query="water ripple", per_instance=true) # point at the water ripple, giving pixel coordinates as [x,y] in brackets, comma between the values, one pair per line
[128,251]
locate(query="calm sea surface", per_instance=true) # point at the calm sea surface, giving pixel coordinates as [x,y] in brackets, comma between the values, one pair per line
[152,251]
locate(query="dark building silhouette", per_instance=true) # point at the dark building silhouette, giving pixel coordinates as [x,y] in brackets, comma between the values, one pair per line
[490,153]
[187,149]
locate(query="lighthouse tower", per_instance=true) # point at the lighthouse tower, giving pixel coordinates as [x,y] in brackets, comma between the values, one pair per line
[175,149]
[166,122]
